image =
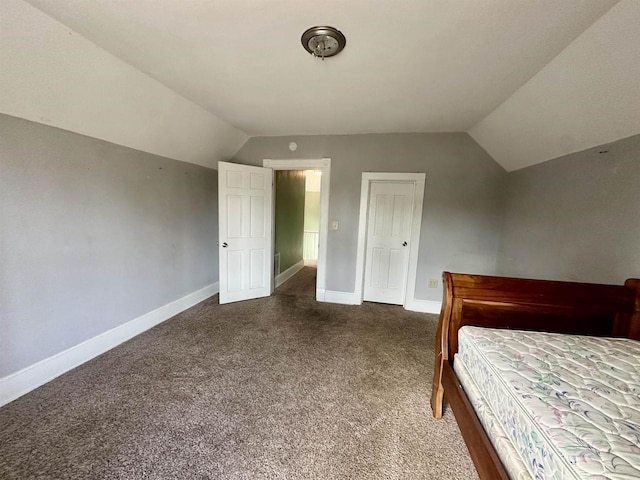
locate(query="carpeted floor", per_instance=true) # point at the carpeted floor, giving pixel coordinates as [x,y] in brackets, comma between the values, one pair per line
[281,387]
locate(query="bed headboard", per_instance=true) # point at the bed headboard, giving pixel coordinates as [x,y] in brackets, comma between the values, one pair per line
[551,306]
[525,304]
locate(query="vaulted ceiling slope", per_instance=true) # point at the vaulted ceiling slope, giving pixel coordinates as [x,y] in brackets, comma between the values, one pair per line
[51,75]
[586,96]
[410,66]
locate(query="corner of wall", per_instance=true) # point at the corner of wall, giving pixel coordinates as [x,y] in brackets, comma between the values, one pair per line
[54,76]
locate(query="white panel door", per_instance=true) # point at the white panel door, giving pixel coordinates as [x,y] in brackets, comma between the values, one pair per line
[388,235]
[244,225]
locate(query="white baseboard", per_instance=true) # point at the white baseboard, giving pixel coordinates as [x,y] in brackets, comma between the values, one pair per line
[17,384]
[349,298]
[346,298]
[289,272]
[423,306]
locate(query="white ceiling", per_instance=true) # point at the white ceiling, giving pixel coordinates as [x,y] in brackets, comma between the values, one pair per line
[51,75]
[409,66]
[587,96]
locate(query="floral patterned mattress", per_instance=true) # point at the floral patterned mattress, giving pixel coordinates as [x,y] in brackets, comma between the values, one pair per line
[561,406]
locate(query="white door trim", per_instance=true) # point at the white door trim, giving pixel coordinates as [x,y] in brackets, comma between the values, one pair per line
[324,165]
[418,179]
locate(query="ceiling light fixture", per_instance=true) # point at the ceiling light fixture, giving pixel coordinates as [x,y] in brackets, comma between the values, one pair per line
[323,41]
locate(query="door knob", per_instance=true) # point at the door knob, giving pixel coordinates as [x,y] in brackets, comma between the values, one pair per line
[404,244]
[224,245]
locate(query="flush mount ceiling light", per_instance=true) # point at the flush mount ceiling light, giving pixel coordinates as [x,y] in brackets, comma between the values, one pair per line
[323,41]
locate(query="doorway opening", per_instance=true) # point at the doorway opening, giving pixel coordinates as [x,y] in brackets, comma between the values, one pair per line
[297,227]
[300,218]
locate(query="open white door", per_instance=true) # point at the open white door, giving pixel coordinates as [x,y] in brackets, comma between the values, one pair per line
[244,227]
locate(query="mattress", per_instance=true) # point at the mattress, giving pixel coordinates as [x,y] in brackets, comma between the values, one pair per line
[569,405]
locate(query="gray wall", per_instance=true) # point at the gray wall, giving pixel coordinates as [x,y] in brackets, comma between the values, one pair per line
[463,197]
[93,235]
[576,217]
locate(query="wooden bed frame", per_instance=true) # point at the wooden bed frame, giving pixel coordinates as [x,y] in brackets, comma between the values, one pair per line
[500,302]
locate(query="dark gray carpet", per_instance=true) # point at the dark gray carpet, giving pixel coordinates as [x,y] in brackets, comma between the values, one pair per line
[282,387]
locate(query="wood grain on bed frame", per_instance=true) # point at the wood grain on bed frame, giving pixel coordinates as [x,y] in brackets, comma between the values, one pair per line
[523,304]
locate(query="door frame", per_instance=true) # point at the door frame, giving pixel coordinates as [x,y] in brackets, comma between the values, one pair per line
[324,165]
[418,179]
